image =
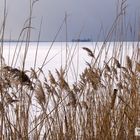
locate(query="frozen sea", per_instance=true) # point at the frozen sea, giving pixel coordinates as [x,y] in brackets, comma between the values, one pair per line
[68,55]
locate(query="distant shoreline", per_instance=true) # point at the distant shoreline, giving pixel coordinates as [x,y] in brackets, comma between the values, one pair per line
[8,41]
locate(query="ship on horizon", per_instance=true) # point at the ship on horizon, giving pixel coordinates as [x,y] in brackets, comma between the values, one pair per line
[81,40]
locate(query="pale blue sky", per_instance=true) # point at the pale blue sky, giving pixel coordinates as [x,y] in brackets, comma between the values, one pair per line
[85,15]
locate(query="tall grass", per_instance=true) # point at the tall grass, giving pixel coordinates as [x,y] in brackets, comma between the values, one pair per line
[103,103]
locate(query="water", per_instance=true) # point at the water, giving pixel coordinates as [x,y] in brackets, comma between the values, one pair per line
[69,56]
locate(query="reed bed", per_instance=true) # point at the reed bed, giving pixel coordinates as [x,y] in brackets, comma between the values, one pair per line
[103,102]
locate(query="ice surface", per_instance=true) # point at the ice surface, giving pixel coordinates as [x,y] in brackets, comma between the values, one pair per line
[68,55]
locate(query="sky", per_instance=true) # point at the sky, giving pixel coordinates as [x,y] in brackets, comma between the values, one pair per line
[85,18]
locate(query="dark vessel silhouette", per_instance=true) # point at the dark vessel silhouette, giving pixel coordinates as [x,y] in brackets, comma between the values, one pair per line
[81,40]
